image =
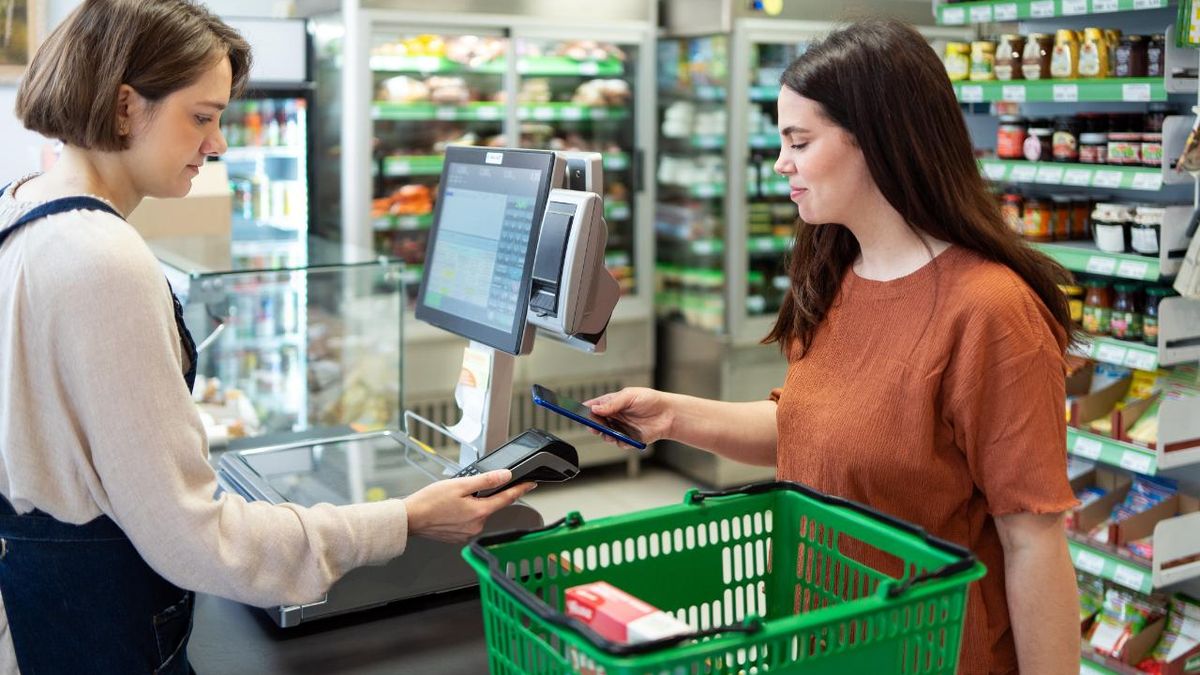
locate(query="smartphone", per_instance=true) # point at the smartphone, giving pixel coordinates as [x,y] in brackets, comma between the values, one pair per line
[569,407]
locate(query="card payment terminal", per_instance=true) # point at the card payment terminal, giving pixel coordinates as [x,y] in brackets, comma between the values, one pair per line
[531,456]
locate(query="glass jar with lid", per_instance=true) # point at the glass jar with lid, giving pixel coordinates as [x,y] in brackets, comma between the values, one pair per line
[1009,52]
[1125,321]
[1151,147]
[1039,141]
[1145,232]
[1062,217]
[1110,227]
[1097,306]
[1131,57]
[1156,50]
[1074,301]
[1065,139]
[1039,219]
[1154,296]
[1012,210]
[1010,137]
[1035,61]
[957,61]
[983,61]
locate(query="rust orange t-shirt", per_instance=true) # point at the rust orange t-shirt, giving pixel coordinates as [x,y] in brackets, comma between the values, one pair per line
[937,398]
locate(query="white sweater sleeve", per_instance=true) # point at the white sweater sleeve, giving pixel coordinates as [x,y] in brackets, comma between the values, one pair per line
[116,352]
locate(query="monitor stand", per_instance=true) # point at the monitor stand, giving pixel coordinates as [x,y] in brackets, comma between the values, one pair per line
[484,396]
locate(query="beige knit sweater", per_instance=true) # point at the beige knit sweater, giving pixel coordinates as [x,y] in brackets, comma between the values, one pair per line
[95,420]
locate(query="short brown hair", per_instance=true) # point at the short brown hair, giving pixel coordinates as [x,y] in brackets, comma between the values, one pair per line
[157,47]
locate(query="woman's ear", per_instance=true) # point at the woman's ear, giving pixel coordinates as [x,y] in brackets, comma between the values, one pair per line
[130,107]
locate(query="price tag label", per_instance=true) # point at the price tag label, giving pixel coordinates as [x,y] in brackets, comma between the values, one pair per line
[1141,360]
[1065,93]
[572,113]
[543,113]
[1101,6]
[1050,174]
[703,190]
[954,16]
[619,213]
[1136,461]
[408,222]
[704,247]
[762,244]
[1089,562]
[599,113]
[971,93]
[1147,181]
[1107,179]
[1073,7]
[589,68]
[446,113]
[1087,447]
[1042,9]
[1132,269]
[428,63]
[487,112]
[1098,264]
[982,14]
[1129,577]
[1109,353]
[1023,174]
[1081,177]
[708,142]
[994,171]
[1013,92]
[399,168]
[1005,12]
[1147,4]
[1135,92]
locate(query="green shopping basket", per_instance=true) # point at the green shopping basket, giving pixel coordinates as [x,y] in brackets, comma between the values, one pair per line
[771,577]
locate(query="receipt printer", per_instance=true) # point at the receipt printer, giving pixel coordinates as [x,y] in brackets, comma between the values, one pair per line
[572,295]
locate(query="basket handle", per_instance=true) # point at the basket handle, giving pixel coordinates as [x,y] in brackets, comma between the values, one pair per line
[966,559]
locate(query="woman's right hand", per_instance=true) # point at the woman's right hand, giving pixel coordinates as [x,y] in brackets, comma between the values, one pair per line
[649,411]
[449,511]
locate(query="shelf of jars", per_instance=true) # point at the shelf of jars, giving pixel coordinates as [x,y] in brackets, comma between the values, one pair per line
[1085,257]
[1177,321]
[1108,176]
[715,93]
[958,14]
[1129,89]
[537,66]
[489,111]
[399,166]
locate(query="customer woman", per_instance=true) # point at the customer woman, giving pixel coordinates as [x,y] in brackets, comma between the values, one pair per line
[925,343]
[106,496]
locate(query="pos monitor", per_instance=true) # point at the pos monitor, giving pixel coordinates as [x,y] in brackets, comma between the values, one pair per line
[479,259]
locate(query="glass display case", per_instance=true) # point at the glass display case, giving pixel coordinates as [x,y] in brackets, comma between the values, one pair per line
[292,349]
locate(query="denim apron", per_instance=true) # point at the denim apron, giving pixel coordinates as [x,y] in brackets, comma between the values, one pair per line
[79,598]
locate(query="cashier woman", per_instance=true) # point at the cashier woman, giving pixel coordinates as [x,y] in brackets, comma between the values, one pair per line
[106,496]
[925,344]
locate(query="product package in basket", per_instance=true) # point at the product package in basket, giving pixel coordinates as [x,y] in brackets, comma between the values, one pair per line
[618,616]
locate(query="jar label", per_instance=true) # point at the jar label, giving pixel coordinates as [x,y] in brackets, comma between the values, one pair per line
[1152,154]
[1145,240]
[1065,146]
[1095,319]
[1061,62]
[1125,325]
[1150,330]
[1089,60]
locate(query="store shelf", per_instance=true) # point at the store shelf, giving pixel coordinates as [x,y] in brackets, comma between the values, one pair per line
[1064,91]
[488,111]
[387,223]
[1178,340]
[717,141]
[759,93]
[545,66]
[1085,257]
[1119,352]
[1007,10]
[764,93]
[1073,175]
[1101,563]
[616,161]
[760,244]
[615,210]
[242,153]
[1114,453]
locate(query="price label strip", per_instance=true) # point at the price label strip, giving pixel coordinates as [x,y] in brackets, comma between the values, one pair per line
[1087,447]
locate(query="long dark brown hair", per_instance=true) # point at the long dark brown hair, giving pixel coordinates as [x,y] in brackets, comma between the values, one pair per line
[881,81]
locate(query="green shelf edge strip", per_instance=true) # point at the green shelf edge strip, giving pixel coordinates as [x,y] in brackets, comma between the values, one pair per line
[428,165]
[1111,452]
[1087,667]
[1111,568]
[488,111]
[1107,176]
[1135,89]
[1008,10]
[533,66]
[1093,261]
[1123,353]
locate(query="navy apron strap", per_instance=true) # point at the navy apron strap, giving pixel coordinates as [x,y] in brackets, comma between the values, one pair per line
[54,207]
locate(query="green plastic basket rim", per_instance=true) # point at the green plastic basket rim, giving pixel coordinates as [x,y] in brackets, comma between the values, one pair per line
[753,623]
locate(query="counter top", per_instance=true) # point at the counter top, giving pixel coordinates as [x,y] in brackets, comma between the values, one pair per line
[438,634]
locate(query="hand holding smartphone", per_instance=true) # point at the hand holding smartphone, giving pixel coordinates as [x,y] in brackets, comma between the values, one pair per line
[572,409]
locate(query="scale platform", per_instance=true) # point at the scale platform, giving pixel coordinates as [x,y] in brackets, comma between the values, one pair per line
[352,469]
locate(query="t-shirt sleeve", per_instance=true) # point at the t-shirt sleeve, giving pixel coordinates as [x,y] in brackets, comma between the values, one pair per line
[1004,399]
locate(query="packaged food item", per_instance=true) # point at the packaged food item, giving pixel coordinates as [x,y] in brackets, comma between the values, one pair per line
[1090,495]
[1074,302]
[957,61]
[1064,59]
[1039,141]
[1039,219]
[1093,54]
[1144,233]
[1065,140]
[1122,616]
[1010,137]
[1151,148]
[1093,147]
[1062,217]
[1091,596]
[1097,307]
[1142,548]
[1009,52]
[1081,208]
[1012,210]
[1156,49]
[1126,319]
[1131,57]
[1110,227]
[983,60]
[619,616]
[1154,295]
[1112,37]
[1035,60]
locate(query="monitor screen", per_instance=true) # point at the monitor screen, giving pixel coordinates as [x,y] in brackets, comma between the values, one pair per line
[481,245]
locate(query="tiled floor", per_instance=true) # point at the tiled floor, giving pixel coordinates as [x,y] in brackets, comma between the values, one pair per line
[608,491]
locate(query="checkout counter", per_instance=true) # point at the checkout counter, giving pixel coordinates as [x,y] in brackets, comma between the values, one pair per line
[516,250]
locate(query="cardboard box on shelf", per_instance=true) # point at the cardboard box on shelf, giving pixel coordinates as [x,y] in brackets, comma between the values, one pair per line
[196,228]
